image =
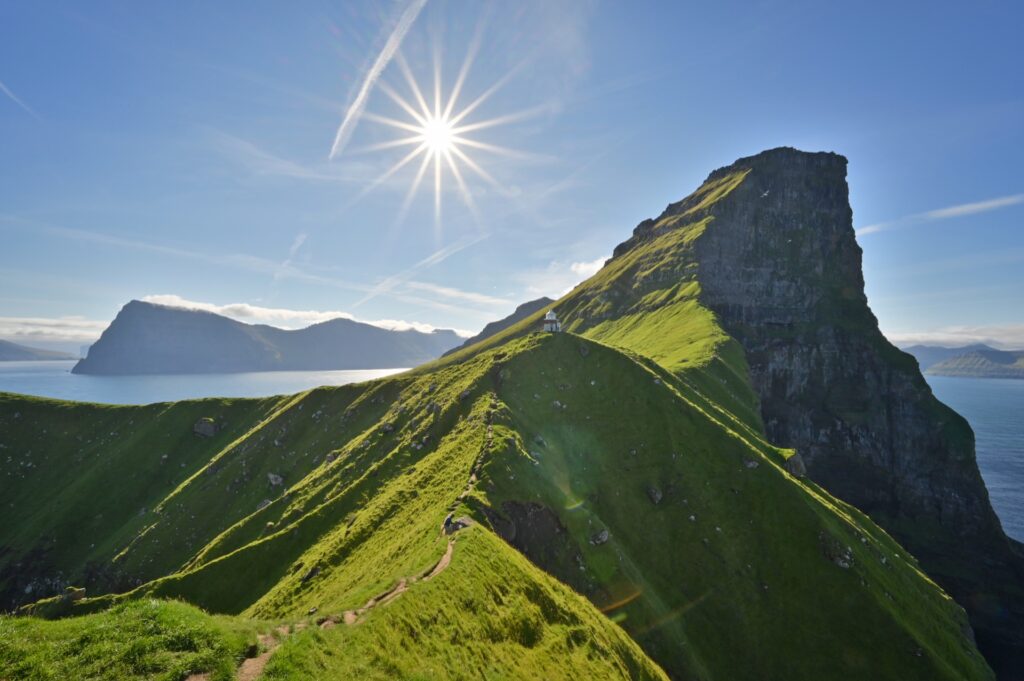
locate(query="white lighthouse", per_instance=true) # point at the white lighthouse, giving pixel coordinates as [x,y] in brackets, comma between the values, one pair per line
[551,322]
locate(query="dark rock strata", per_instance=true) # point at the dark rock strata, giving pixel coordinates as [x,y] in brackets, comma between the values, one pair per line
[780,266]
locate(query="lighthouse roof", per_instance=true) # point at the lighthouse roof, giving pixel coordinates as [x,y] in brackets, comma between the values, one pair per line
[550,315]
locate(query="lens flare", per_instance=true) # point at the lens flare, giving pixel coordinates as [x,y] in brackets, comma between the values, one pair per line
[437,134]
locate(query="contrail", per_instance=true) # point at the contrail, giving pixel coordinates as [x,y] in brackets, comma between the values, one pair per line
[355,110]
[14,98]
[944,213]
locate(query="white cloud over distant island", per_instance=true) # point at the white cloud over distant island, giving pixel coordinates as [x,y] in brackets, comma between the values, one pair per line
[48,331]
[30,330]
[286,318]
[943,214]
[1004,336]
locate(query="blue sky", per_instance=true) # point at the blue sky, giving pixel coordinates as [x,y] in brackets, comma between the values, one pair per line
[183,152]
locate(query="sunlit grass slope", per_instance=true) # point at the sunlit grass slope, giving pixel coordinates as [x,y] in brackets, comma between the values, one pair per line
[490,615]
[716,561]
[646,301]
[146,639]
[630,519]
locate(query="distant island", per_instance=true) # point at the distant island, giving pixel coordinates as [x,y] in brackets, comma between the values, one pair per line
[146,338]
[971,361]
[12,352]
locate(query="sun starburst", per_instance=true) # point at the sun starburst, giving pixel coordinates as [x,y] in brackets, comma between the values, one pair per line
[437,134]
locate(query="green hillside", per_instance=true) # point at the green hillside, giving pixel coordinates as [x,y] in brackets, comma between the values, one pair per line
[143,639]
[625,515]
[547,441]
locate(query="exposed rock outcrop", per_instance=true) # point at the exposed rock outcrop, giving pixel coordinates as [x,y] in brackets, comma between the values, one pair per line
[780,266]
[205,427]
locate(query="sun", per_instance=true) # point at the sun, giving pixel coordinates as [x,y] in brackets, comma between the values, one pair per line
[437,132]
[438,135]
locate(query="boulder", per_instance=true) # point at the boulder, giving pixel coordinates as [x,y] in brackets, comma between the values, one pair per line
[74,594]
[654,494]
[795,465]
[274,479]
[205,427]
[599,538]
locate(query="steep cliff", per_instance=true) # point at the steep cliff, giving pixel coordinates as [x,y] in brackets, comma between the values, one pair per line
[780,267]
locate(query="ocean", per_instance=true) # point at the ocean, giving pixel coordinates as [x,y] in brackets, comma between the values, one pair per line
[54,379]
[993,407]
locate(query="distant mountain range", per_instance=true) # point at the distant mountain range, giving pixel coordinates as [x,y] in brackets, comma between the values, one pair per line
[155,339]
[974,361]
[520,313]
[12,352]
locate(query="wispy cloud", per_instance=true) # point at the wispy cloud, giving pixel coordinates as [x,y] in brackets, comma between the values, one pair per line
[260,162]
[559,277]
[289,270]
[238,261]
[434,258]
[50,329]
[358,103]
[1007,336]
[456,294]
[587,269]
[14,98]
[300,239]
[944,214]
[283,317]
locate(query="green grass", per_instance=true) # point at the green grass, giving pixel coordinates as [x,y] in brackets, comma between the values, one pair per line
[732,574]
[490,615]
[688,592]
[145,639]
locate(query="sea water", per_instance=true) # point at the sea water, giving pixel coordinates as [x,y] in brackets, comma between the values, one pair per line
[54,379]
[995,409]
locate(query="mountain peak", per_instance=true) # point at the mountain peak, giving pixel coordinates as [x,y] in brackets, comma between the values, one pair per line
[784,159]
[149,338]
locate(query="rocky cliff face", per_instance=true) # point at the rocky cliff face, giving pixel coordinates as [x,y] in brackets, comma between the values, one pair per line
[781,268]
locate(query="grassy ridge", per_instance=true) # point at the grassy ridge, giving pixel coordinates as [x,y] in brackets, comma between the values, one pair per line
[491,614]
[583,432]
